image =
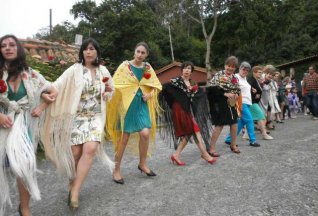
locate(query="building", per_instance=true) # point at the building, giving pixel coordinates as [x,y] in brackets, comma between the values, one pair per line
[172,70]
[46,50]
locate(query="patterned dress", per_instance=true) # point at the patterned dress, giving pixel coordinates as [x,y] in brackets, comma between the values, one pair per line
[88,125]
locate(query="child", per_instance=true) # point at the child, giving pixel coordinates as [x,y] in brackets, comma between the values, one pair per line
[286,102]
[293,102]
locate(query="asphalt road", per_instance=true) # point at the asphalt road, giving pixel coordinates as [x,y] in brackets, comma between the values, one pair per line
[279,178]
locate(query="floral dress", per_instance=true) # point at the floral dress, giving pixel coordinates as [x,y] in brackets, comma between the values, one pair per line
[88,125]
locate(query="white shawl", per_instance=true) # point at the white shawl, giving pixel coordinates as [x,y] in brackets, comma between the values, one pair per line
[56,134]
[16,142]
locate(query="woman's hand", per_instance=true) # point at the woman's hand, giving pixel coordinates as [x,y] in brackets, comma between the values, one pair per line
[37,111]
[5,121]
[146,96]
[108,88]
[48,97]
[254,90]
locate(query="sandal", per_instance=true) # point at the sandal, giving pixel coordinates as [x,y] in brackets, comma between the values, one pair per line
[214,154]
[235,150]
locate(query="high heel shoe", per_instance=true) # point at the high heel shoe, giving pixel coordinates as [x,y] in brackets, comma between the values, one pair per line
[151,173]
[174,160]
[212,161]
[74,205]
[235,150]
[119,181]
[214,154]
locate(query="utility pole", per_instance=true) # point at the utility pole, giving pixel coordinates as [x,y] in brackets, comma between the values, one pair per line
[50,22]
[171,46]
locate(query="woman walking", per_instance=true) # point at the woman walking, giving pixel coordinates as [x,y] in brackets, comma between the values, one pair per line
[131,114]
[74,127]
[223,93]
[186,110]
[20,106]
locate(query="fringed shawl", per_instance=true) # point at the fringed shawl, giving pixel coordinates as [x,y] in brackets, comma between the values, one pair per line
[19,143]
[56,134]
[127,85]
[193,101]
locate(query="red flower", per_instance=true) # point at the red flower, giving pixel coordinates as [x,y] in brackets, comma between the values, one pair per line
[234,80]
[3,86]
[50,58]
[105,79]
[147,75]
[195,88]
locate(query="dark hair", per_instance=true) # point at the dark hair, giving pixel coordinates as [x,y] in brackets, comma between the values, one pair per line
[16,66]
[313,66]
[144,44]
[84,47]
[186,64]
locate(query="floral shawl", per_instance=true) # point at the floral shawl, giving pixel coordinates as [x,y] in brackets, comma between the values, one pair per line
[192,100]
[229,84]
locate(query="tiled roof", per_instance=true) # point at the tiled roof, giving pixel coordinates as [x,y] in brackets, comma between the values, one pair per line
[298,61]
[43,49]
[175,63]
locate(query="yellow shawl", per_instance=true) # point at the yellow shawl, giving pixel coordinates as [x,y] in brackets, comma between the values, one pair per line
[126,86]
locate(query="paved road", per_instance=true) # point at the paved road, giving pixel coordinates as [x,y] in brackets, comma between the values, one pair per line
[279,178]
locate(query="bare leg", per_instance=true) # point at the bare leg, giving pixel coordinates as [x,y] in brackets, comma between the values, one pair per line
[180,147]
[77,153]
[216,133]
[202,148]
[24,198]
[282,104]
[119,155]
[233,131]
[143,149]
[262,127]
[84,164]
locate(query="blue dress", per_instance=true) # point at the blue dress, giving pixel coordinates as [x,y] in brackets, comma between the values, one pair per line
[137,116]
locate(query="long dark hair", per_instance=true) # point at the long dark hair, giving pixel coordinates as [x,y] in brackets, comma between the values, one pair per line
[16,66]
[84,47]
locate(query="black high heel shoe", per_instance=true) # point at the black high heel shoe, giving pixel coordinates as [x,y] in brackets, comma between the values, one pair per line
[151,173]
[119,181]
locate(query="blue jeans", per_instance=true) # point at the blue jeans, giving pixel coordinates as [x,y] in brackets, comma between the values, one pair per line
[312,103]
[245,119]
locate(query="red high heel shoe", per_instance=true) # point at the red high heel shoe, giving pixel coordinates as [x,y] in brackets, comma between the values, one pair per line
[212,161]
[174,160]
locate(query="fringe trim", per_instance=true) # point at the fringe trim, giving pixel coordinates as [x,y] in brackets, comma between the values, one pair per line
[21,155]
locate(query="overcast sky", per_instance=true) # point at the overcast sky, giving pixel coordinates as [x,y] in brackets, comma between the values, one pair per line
[24,18]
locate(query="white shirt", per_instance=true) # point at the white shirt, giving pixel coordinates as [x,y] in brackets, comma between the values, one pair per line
[245,89]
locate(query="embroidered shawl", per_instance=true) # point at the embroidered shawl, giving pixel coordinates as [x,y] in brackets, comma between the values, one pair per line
[192,100]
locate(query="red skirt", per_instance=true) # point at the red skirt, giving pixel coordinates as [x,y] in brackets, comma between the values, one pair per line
[184,123]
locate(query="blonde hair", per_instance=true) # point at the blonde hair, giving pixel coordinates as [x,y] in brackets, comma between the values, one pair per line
[269,69]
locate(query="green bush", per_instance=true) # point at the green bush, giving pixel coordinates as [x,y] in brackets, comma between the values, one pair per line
[50,70]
